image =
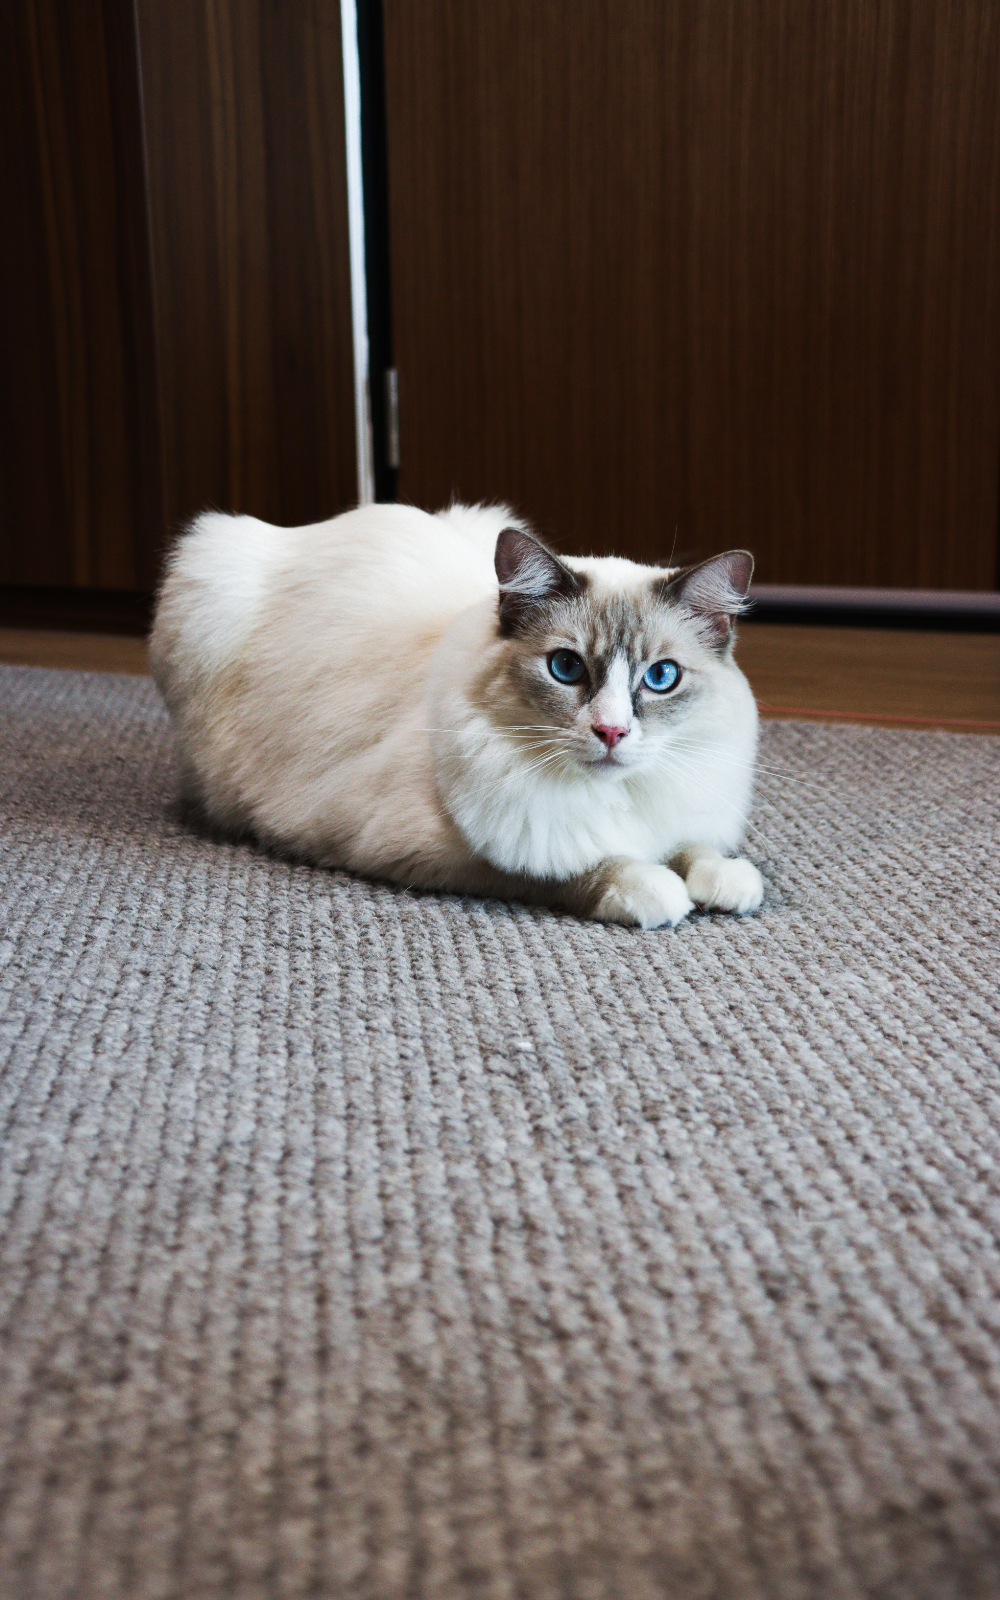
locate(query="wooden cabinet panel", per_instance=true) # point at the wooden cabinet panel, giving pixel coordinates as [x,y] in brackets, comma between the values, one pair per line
[79,490]
[245,146]
[726,268]
[175,324]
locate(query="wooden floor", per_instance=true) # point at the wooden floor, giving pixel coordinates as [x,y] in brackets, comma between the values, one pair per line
[904,679]
[887,675]
[90,652]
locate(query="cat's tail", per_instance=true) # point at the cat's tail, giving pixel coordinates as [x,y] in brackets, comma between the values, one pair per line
[215,589]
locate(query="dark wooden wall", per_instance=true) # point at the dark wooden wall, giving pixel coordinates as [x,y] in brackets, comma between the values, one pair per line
[175,298]
[729,268]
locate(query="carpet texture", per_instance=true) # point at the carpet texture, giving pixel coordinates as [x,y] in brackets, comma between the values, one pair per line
[368,1245]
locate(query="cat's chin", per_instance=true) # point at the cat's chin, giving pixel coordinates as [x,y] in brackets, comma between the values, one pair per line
[607,771]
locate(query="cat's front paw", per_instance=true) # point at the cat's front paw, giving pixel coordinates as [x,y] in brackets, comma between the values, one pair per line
[644,895]
[718,884]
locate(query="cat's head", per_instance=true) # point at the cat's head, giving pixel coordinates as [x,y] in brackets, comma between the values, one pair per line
[605,660]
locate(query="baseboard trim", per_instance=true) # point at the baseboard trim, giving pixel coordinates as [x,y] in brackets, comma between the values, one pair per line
[948,610]
[127,611]
[123,611]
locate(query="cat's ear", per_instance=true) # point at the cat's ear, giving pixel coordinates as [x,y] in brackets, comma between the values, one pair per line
[714,592]
[530,576]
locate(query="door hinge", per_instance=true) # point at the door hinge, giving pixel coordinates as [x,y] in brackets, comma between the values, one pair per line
[392,417]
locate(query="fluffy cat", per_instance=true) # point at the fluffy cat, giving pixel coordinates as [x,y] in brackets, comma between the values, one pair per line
[442,702]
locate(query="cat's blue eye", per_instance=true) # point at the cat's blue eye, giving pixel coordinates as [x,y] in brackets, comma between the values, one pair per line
[661,676]
[566,666]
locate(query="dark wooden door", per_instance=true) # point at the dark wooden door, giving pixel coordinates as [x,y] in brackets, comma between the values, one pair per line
[174,287]
[244,118]
[720,270]
[80,495]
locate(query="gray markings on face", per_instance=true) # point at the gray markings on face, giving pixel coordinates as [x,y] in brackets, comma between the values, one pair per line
[631,628]
[634,626]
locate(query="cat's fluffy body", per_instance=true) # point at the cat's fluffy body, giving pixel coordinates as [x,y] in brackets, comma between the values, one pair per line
[365,694]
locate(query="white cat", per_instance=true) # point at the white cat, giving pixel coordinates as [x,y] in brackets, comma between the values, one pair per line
[440,701]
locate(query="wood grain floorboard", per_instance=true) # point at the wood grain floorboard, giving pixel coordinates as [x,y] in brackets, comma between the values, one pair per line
[86,652]
[885,675]
[902,678]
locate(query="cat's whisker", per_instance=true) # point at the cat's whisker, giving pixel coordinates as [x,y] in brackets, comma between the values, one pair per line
[704,748]
[520,773]
[555,746]
[753,762]
[755,768]
[673,760]
[544,760]
[692,774]
[763,779]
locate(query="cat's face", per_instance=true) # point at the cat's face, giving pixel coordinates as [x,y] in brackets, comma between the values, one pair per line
[604,662]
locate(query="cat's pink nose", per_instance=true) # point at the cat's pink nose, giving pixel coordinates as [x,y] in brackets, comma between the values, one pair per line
[608,736]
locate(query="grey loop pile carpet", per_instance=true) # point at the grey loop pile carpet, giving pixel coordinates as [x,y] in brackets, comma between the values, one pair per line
[368,1245]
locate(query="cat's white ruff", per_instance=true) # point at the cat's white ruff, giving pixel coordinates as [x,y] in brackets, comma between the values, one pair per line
[322,680]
